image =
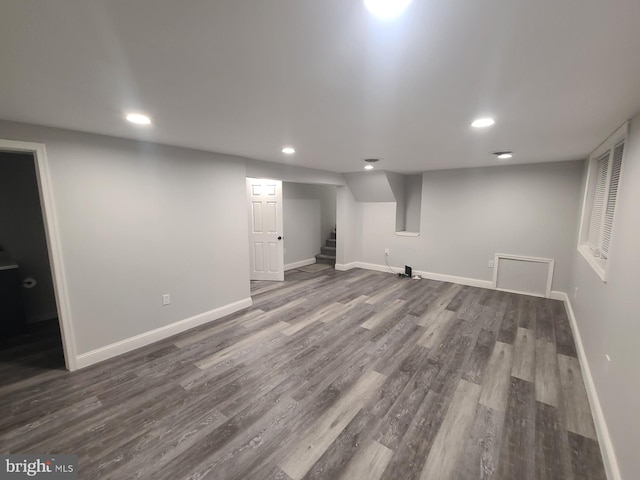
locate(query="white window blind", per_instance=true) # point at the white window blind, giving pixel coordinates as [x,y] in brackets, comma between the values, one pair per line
[612,197]
[600,201]
[597,208]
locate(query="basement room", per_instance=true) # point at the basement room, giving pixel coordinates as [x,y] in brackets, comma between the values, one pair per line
[342,239]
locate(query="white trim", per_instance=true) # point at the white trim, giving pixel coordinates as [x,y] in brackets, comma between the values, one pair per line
[56,261]
[557,295]
[404,233]
[587,254]
[606,446]
[472,282]
[524,258]
[343,267]
[377,268]
[301,263]
[147,338]
[372,266]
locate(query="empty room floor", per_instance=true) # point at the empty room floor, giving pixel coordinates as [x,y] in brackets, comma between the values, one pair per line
[355,375]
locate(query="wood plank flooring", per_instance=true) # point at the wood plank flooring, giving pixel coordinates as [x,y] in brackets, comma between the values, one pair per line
[329,375]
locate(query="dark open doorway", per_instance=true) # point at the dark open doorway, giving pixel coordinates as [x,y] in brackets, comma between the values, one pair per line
[30,336]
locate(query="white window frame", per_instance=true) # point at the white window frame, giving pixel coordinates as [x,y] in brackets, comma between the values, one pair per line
[591,252]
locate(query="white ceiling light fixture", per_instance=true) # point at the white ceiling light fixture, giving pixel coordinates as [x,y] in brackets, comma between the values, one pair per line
[483,122]
[506,155]
[369,163]
[386,9]
[138,118]
[288,150]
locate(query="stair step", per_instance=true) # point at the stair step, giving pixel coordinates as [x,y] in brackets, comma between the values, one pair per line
[331,251]
[333,235]
[328,259]
[331,242]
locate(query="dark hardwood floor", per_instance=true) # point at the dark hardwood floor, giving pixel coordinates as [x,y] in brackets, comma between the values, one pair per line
[354,375]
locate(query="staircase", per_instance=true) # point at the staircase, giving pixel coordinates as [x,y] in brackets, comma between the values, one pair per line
[328,252]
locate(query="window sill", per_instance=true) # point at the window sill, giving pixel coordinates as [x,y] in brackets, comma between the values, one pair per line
[408,234]
[597,264]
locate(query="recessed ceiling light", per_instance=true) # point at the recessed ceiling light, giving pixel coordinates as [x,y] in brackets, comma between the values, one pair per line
[369,163]
[138,119]
[386,9]
[289,150]
[506,155]
[483,122]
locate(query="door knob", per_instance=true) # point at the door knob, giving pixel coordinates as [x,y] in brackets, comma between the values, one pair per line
[279,238]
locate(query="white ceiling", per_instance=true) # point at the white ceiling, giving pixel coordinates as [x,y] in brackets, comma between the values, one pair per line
[247,77]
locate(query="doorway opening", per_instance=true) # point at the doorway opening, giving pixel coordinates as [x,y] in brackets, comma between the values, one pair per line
[32,299]
[309,226]
[303,215]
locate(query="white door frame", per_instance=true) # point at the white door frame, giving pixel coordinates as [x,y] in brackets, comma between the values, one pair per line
[47,206]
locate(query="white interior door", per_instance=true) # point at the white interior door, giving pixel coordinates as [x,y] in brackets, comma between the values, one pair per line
[266,249]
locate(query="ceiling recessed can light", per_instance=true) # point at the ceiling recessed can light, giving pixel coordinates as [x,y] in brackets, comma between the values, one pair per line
[289,150]
[506,155]
[483,122]
[138,118]
[368,167]
[386,9]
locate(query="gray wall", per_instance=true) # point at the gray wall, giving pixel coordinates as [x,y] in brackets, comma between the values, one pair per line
[413,189]
[370,186]
[309,213]
[22,232]
[398,187]
[138,220]
[468,215]
[348,223]
[291,173]
[608,316]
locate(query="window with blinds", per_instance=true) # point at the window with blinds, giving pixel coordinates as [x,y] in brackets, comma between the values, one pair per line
[614,181]
[605,170]
[595,225]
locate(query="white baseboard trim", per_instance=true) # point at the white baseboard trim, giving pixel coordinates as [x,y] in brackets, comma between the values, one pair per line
[343,267]
[606,446]
[558,295]
[473,282]
[301,263]
[372,266]
[147,338]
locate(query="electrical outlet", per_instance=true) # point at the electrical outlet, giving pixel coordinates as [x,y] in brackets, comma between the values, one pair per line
[491,264]
[386,252]
[166,299]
